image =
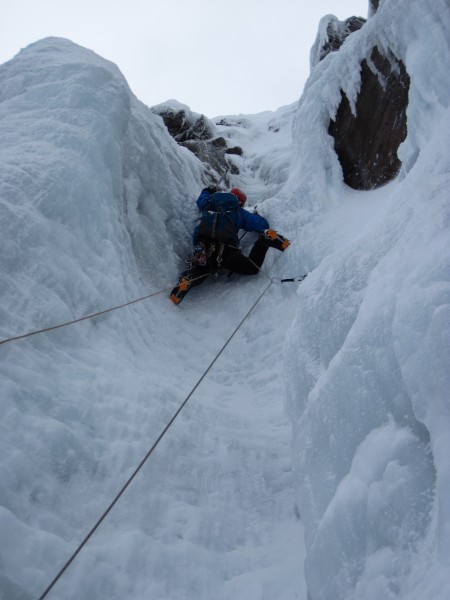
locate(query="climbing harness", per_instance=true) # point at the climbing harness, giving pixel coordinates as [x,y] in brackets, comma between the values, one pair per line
[207,255]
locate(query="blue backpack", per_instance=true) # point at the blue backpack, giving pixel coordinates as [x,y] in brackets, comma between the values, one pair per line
[219,221]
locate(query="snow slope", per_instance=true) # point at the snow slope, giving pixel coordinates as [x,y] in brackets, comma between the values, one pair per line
[98,205]
[329,405]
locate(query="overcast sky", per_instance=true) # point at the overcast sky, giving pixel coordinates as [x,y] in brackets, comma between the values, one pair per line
[218,57]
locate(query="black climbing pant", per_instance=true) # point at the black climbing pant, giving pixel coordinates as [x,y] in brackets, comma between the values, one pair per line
[235,261]
[231,259]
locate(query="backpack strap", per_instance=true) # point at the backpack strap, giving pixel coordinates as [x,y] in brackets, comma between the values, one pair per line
[219,255]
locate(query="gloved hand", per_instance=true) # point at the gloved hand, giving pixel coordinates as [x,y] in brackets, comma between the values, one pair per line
[212,189]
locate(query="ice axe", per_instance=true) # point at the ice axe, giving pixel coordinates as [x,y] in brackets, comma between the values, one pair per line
[222,177]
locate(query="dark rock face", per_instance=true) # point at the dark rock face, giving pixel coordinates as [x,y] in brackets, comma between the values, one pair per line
[367,143]
[181,128]
[235,150]
[196,133]
[374,5]
[337,32]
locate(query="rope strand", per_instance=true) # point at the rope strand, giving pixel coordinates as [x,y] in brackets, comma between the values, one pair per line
[108,310]
[86,317]
[169,424]
[148,454]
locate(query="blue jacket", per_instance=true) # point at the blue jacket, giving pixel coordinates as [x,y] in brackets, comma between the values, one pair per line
[242,218]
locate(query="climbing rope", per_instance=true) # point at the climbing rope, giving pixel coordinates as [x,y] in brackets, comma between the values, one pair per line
[271,280]
[108,310]
[151,450]
[90,316]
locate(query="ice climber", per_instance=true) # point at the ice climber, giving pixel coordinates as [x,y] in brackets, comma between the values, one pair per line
[216,241]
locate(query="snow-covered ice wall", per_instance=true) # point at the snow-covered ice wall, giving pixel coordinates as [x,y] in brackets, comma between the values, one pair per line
[368,357]
[96,210]
[89,157]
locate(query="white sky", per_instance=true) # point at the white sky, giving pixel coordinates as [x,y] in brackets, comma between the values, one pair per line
[218,57]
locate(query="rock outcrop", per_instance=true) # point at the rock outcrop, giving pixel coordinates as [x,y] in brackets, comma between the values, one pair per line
[184,125]
[331,35]
[196,133]
[373,6]
[367,142]
[337,33]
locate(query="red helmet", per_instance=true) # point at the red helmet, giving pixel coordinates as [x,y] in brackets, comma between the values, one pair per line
[239,195]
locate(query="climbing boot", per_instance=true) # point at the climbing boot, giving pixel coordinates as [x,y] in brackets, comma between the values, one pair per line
[275,240]
[180,290]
